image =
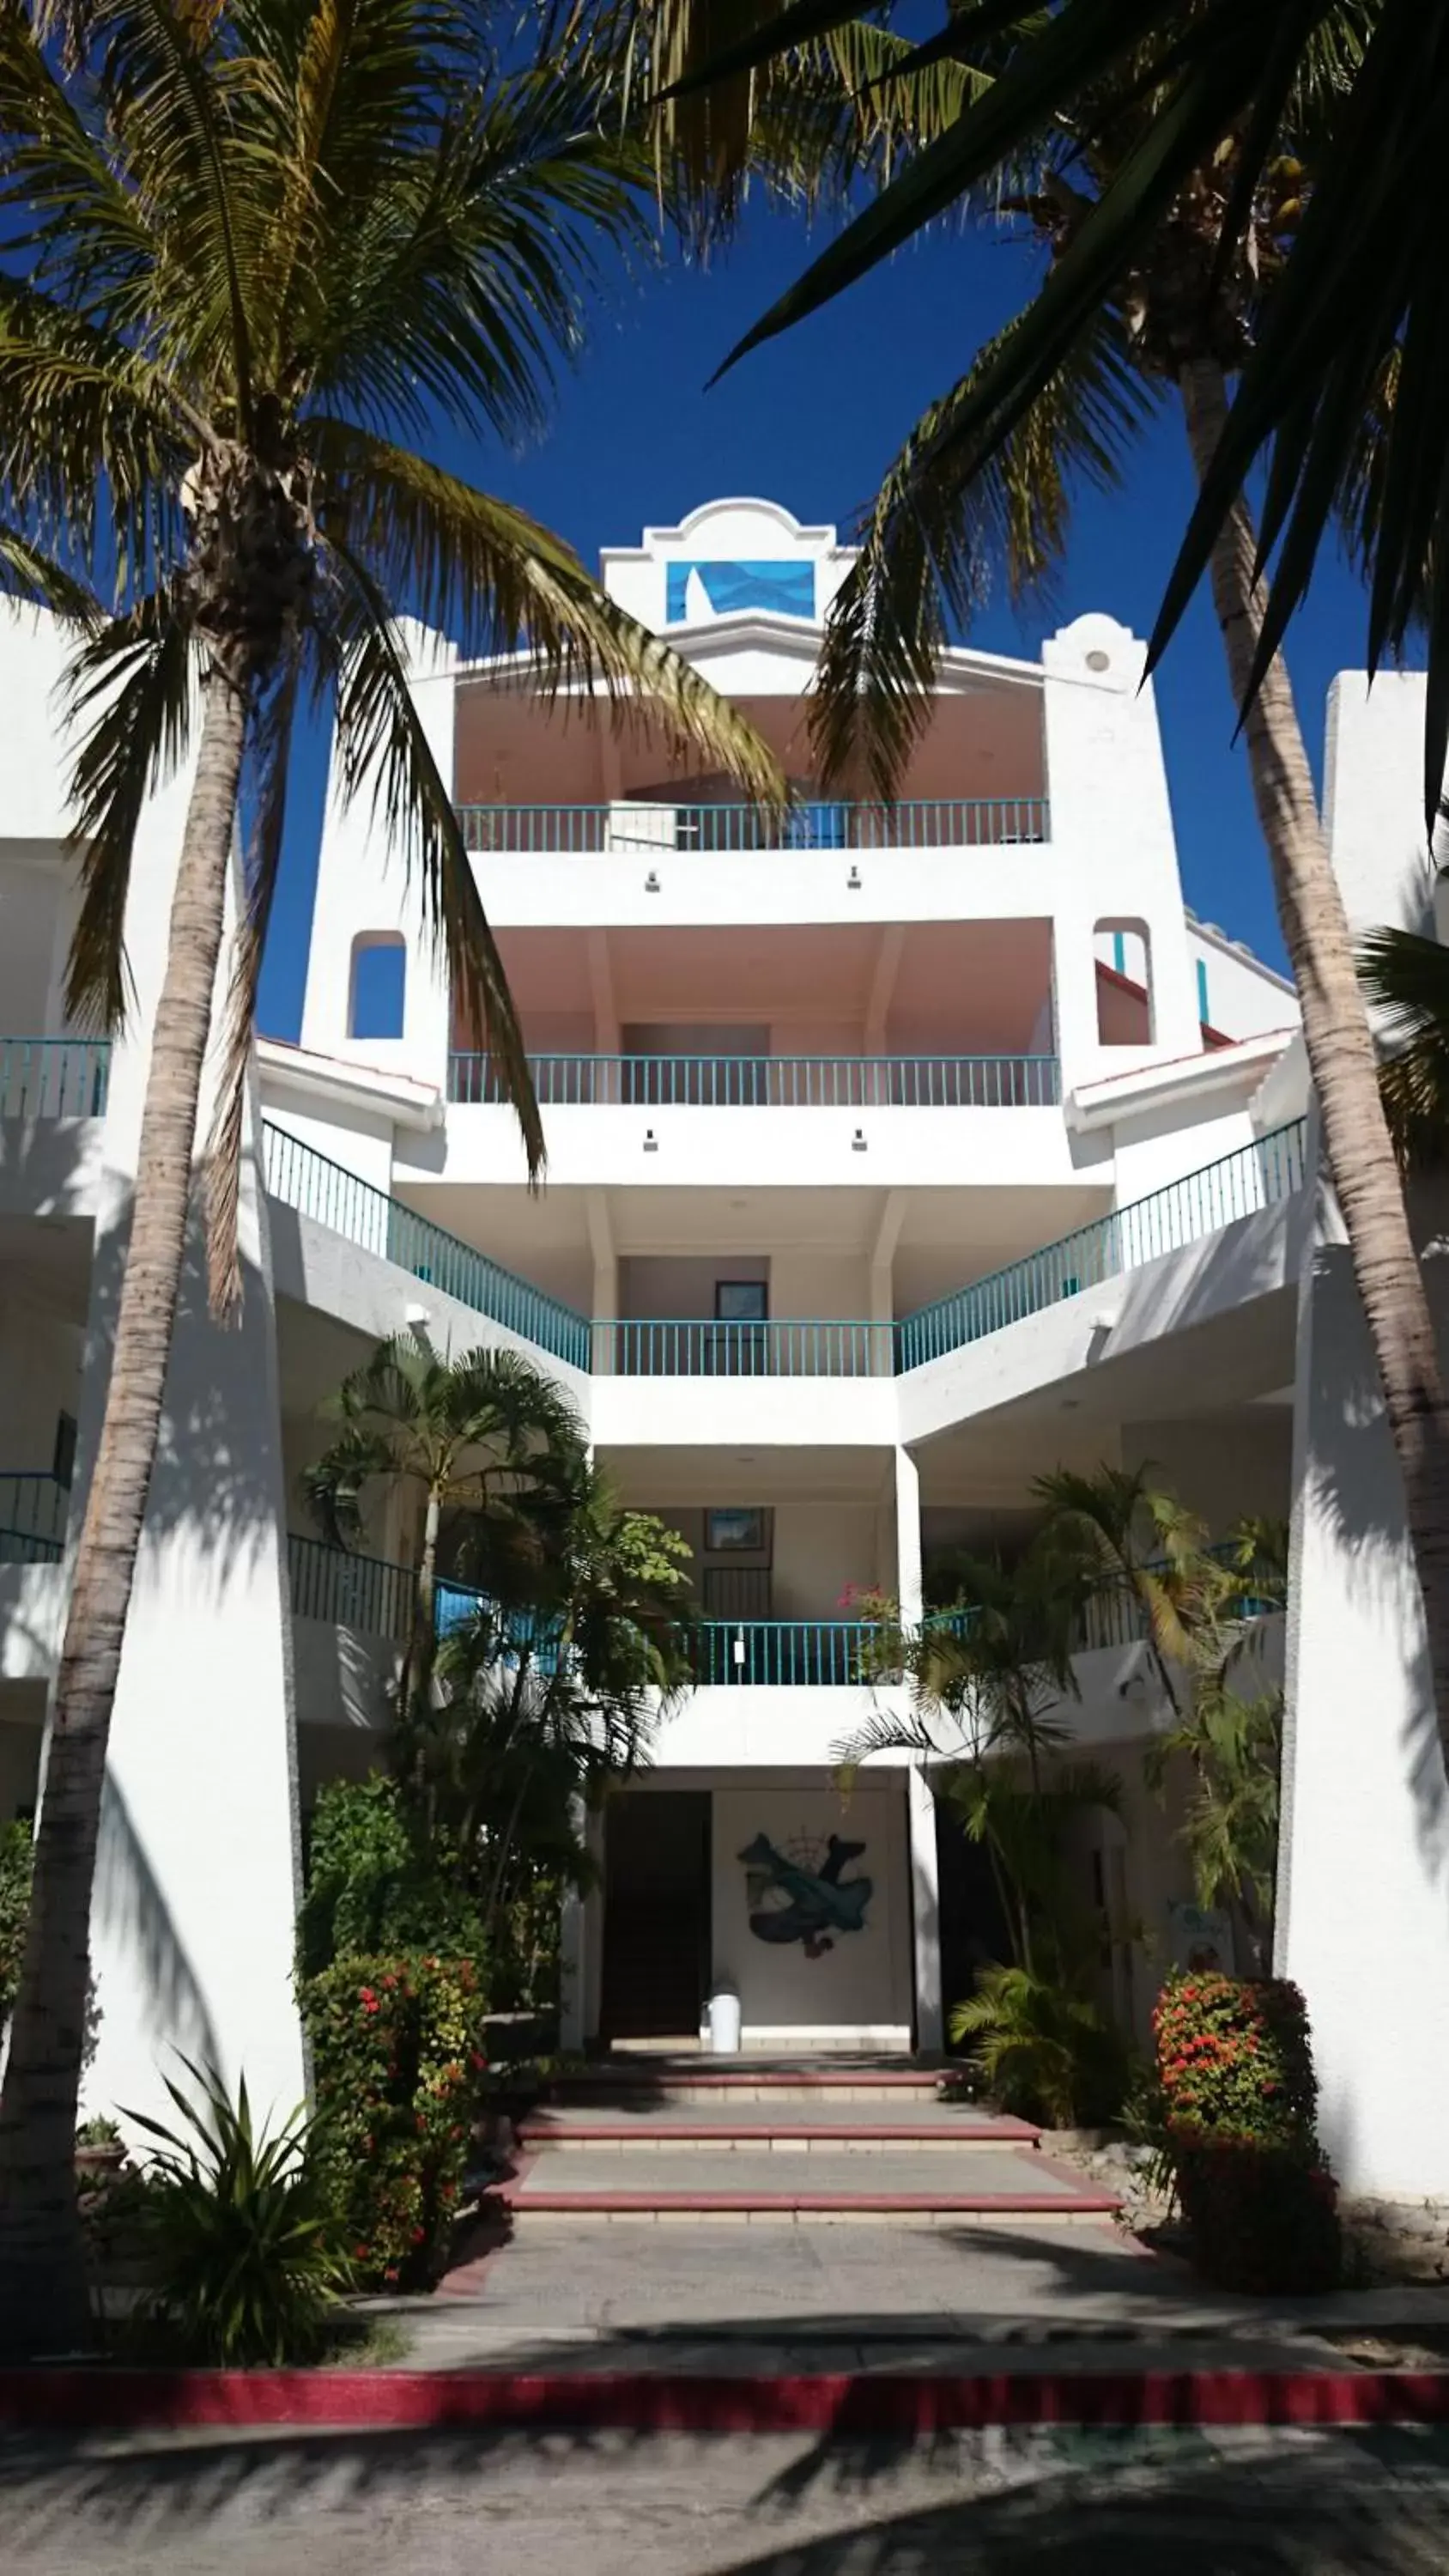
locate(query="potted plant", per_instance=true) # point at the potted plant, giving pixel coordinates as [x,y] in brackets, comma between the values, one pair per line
[99,2149]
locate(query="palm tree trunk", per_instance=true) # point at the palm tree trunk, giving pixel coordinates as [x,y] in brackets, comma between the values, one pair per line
[43,2304]
[1340,1051]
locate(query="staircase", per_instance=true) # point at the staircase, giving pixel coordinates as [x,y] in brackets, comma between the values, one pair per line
[851,2139]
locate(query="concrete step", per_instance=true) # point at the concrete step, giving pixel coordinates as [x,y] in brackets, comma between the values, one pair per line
[751,2180]
[671,2081]
[770,2128]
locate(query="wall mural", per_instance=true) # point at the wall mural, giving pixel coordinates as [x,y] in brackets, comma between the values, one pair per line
[701,590]
[798,1894]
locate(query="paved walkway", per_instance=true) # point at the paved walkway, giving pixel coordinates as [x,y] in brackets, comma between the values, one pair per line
[811,2297]
[967,2171]
[1040,2504]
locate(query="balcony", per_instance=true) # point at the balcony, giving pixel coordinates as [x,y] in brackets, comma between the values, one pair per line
[54,1077]
[699,1346]
[769,1082]
[592,831]
[376,1597]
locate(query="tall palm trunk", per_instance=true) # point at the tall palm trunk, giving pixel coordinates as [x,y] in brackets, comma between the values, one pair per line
[1340,1050]
[43,2303]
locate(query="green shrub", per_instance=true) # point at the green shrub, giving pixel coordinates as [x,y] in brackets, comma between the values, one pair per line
[375,1883]
[1042,2048]
[1239,2103]
[243,2230]
[15,1868]
[397,2068]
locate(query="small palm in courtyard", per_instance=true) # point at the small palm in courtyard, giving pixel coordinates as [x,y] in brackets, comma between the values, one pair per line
[550,1696]
[256,261]
[486,1434]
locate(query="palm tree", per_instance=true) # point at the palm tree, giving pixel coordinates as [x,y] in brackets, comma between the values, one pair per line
[550,1694]
[1186,258]
[255,260]
[484,1434]
[1128,1545]
[1232,1737]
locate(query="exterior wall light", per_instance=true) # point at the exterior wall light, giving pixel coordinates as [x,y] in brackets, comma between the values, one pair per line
[651,1141]
[853,880]
[857,1142]
[651,882]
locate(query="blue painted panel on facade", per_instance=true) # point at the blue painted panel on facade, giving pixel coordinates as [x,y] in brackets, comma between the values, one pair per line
[788,588]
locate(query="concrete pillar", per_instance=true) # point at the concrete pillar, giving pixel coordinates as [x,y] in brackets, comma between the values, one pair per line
[197,1872]
[921,1804]
[1363,1905]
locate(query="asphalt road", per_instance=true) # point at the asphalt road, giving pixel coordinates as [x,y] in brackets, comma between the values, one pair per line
[1051,2503]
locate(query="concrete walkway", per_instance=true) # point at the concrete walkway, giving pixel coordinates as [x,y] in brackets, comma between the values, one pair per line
[810,2297]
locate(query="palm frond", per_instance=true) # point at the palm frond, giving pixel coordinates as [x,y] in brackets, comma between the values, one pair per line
[223,1153]
[128,696]
[1406,978]
[955,517]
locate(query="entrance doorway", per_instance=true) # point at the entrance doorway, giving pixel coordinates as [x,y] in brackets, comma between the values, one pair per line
[972,1925]
[657,1927]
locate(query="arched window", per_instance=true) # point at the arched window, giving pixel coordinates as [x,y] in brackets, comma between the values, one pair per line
[377,992]
[1123,951]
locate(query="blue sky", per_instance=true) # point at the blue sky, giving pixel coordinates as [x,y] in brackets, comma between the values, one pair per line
[811,421]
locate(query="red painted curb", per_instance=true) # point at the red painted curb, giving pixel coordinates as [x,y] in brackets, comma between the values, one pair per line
[76,2399]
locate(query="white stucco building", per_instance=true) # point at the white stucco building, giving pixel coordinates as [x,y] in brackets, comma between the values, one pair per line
[895,1156]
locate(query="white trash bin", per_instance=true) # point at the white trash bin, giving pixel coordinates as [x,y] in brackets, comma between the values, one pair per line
[724,2022]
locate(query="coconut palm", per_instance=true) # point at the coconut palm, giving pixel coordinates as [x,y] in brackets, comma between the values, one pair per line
[256,261]
[1200,207]
[485,1434]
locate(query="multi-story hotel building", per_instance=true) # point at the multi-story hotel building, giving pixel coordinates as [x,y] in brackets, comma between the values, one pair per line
[897,1154]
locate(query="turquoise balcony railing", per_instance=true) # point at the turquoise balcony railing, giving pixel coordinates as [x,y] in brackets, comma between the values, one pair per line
[54,1077]
[795,1654]
[33,1510]
[1257,1176]
[769,1082]
[305,1180]
[369,1593]
[688,1346]
[915,823]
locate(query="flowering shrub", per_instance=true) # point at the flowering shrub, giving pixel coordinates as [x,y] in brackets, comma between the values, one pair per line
[1239,2097]
[397,2066]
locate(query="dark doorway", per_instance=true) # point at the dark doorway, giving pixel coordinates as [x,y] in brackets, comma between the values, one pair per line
[656,1914]
[973,1927]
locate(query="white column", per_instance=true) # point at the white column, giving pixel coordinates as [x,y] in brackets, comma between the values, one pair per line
[197,1872]
[921,1805]
[1363,1908]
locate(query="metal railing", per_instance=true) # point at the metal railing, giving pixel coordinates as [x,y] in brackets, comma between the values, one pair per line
[782,1654]
[688,1346]
[824,823]
[769,1082]
[351,1591]
[54,1077]
[33,1513]
[1256,1176]
[305,1180]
